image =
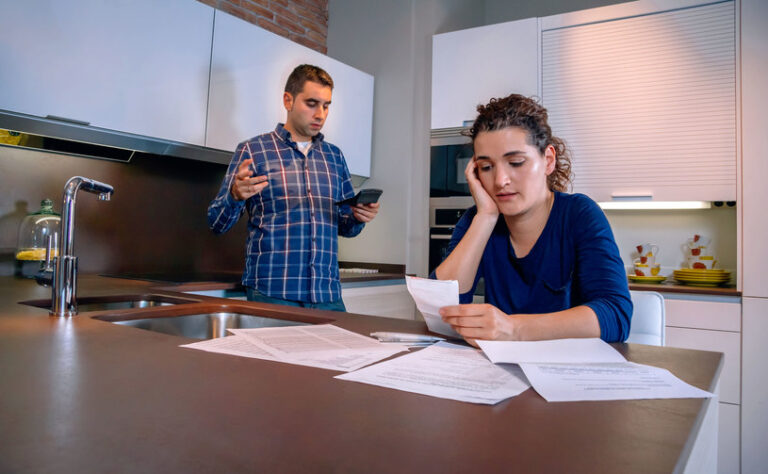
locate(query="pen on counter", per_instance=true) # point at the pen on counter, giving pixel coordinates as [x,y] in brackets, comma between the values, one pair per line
[405,337]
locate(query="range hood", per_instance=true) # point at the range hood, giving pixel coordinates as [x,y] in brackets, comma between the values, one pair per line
[60,135]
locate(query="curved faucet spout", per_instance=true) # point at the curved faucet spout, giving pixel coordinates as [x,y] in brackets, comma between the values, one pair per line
[64,301]
[74,184]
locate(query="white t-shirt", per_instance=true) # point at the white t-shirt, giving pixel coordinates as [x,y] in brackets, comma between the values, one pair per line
[304,146]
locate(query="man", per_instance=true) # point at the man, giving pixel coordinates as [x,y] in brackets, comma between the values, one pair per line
[289,181]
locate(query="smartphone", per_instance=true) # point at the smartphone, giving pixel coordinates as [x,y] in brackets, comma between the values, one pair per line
[365,196]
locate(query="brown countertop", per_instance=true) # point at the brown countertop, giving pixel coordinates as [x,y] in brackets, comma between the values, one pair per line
[82,395]
[234,277]
[672,287]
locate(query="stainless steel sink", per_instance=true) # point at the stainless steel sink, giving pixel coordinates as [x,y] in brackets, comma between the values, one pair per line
[115,302]
[206,326]
[106,306]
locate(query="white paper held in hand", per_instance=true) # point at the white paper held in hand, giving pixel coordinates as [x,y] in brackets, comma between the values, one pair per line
[430,296]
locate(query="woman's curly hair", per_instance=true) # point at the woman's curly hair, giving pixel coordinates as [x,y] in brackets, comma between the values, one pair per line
[519,111]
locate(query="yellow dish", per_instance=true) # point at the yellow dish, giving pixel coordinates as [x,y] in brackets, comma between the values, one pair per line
[646,279]
[701,271]
[703,277]
[702,283]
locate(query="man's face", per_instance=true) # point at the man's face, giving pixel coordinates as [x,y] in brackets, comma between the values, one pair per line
[307,111]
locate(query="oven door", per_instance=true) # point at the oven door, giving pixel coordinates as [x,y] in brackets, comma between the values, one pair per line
[448,158]
[439,238]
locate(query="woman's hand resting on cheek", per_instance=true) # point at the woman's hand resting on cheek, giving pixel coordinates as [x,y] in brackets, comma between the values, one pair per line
[479,321]
[483,200]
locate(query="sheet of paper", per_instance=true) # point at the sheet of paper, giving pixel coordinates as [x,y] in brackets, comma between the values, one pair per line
[446,370]
[430,296]
[296,340]
[324,346]
[616,381]
[341,360]
[233,345]
[564,351]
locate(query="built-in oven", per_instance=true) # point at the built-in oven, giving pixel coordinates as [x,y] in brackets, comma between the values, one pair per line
[448,156]
[444,214]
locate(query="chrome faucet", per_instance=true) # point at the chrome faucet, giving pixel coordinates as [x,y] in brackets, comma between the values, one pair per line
[64,279]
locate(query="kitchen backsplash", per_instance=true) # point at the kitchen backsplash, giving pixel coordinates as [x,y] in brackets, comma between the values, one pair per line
[155,222]
[671,229]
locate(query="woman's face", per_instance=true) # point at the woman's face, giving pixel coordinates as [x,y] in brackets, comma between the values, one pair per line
[511,171]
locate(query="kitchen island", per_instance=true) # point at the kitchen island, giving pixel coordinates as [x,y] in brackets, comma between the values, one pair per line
[84,395]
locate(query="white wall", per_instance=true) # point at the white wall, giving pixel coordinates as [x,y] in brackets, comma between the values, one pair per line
[497,11]
[671,229]
[392,40]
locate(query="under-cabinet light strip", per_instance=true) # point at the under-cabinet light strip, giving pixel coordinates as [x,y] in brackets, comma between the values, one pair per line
[642,205]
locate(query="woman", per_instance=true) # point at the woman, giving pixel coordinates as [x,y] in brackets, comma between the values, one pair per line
[551,266]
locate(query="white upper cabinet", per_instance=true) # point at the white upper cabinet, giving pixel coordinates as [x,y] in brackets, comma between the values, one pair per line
[646,100]
[754,96]
[248,72]
[471,66]
[138,66]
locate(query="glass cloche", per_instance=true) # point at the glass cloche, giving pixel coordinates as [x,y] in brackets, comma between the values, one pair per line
[34,231]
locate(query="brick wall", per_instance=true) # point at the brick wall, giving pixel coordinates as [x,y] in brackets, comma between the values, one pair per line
[302,21]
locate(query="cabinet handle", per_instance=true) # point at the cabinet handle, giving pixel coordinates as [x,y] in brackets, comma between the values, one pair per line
[68,120]
[632,196]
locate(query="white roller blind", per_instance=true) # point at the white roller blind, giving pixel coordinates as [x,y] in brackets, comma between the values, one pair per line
[648,103]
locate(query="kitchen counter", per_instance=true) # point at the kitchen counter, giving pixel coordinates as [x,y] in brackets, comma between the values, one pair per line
[83,395]
[349,272]
[673,287]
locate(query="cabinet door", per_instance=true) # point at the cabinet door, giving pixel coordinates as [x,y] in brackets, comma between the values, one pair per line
[715,315]
[754,406]
[754,94]
[471,66]
[728,452]
[729,343]
[137,66]
[647,103]
[248,72]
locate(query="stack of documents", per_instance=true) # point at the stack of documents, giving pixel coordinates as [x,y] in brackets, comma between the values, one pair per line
[324,346]
[559,370]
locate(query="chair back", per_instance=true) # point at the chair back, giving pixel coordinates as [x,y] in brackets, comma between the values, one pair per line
[647,318]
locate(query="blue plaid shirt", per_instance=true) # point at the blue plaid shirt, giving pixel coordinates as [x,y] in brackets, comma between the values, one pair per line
[292,246]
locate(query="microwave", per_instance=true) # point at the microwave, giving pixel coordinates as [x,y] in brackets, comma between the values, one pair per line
[448,157]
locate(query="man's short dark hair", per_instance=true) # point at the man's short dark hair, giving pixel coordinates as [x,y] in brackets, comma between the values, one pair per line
[304,73]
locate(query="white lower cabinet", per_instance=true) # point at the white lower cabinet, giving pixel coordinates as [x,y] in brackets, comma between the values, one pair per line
[754,423]
[729,343]
[728,439]
[713,324]
[392,301]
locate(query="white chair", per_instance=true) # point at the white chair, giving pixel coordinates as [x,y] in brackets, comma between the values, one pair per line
[647,318]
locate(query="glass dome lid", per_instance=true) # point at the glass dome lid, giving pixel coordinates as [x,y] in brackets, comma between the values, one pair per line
[35,230]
